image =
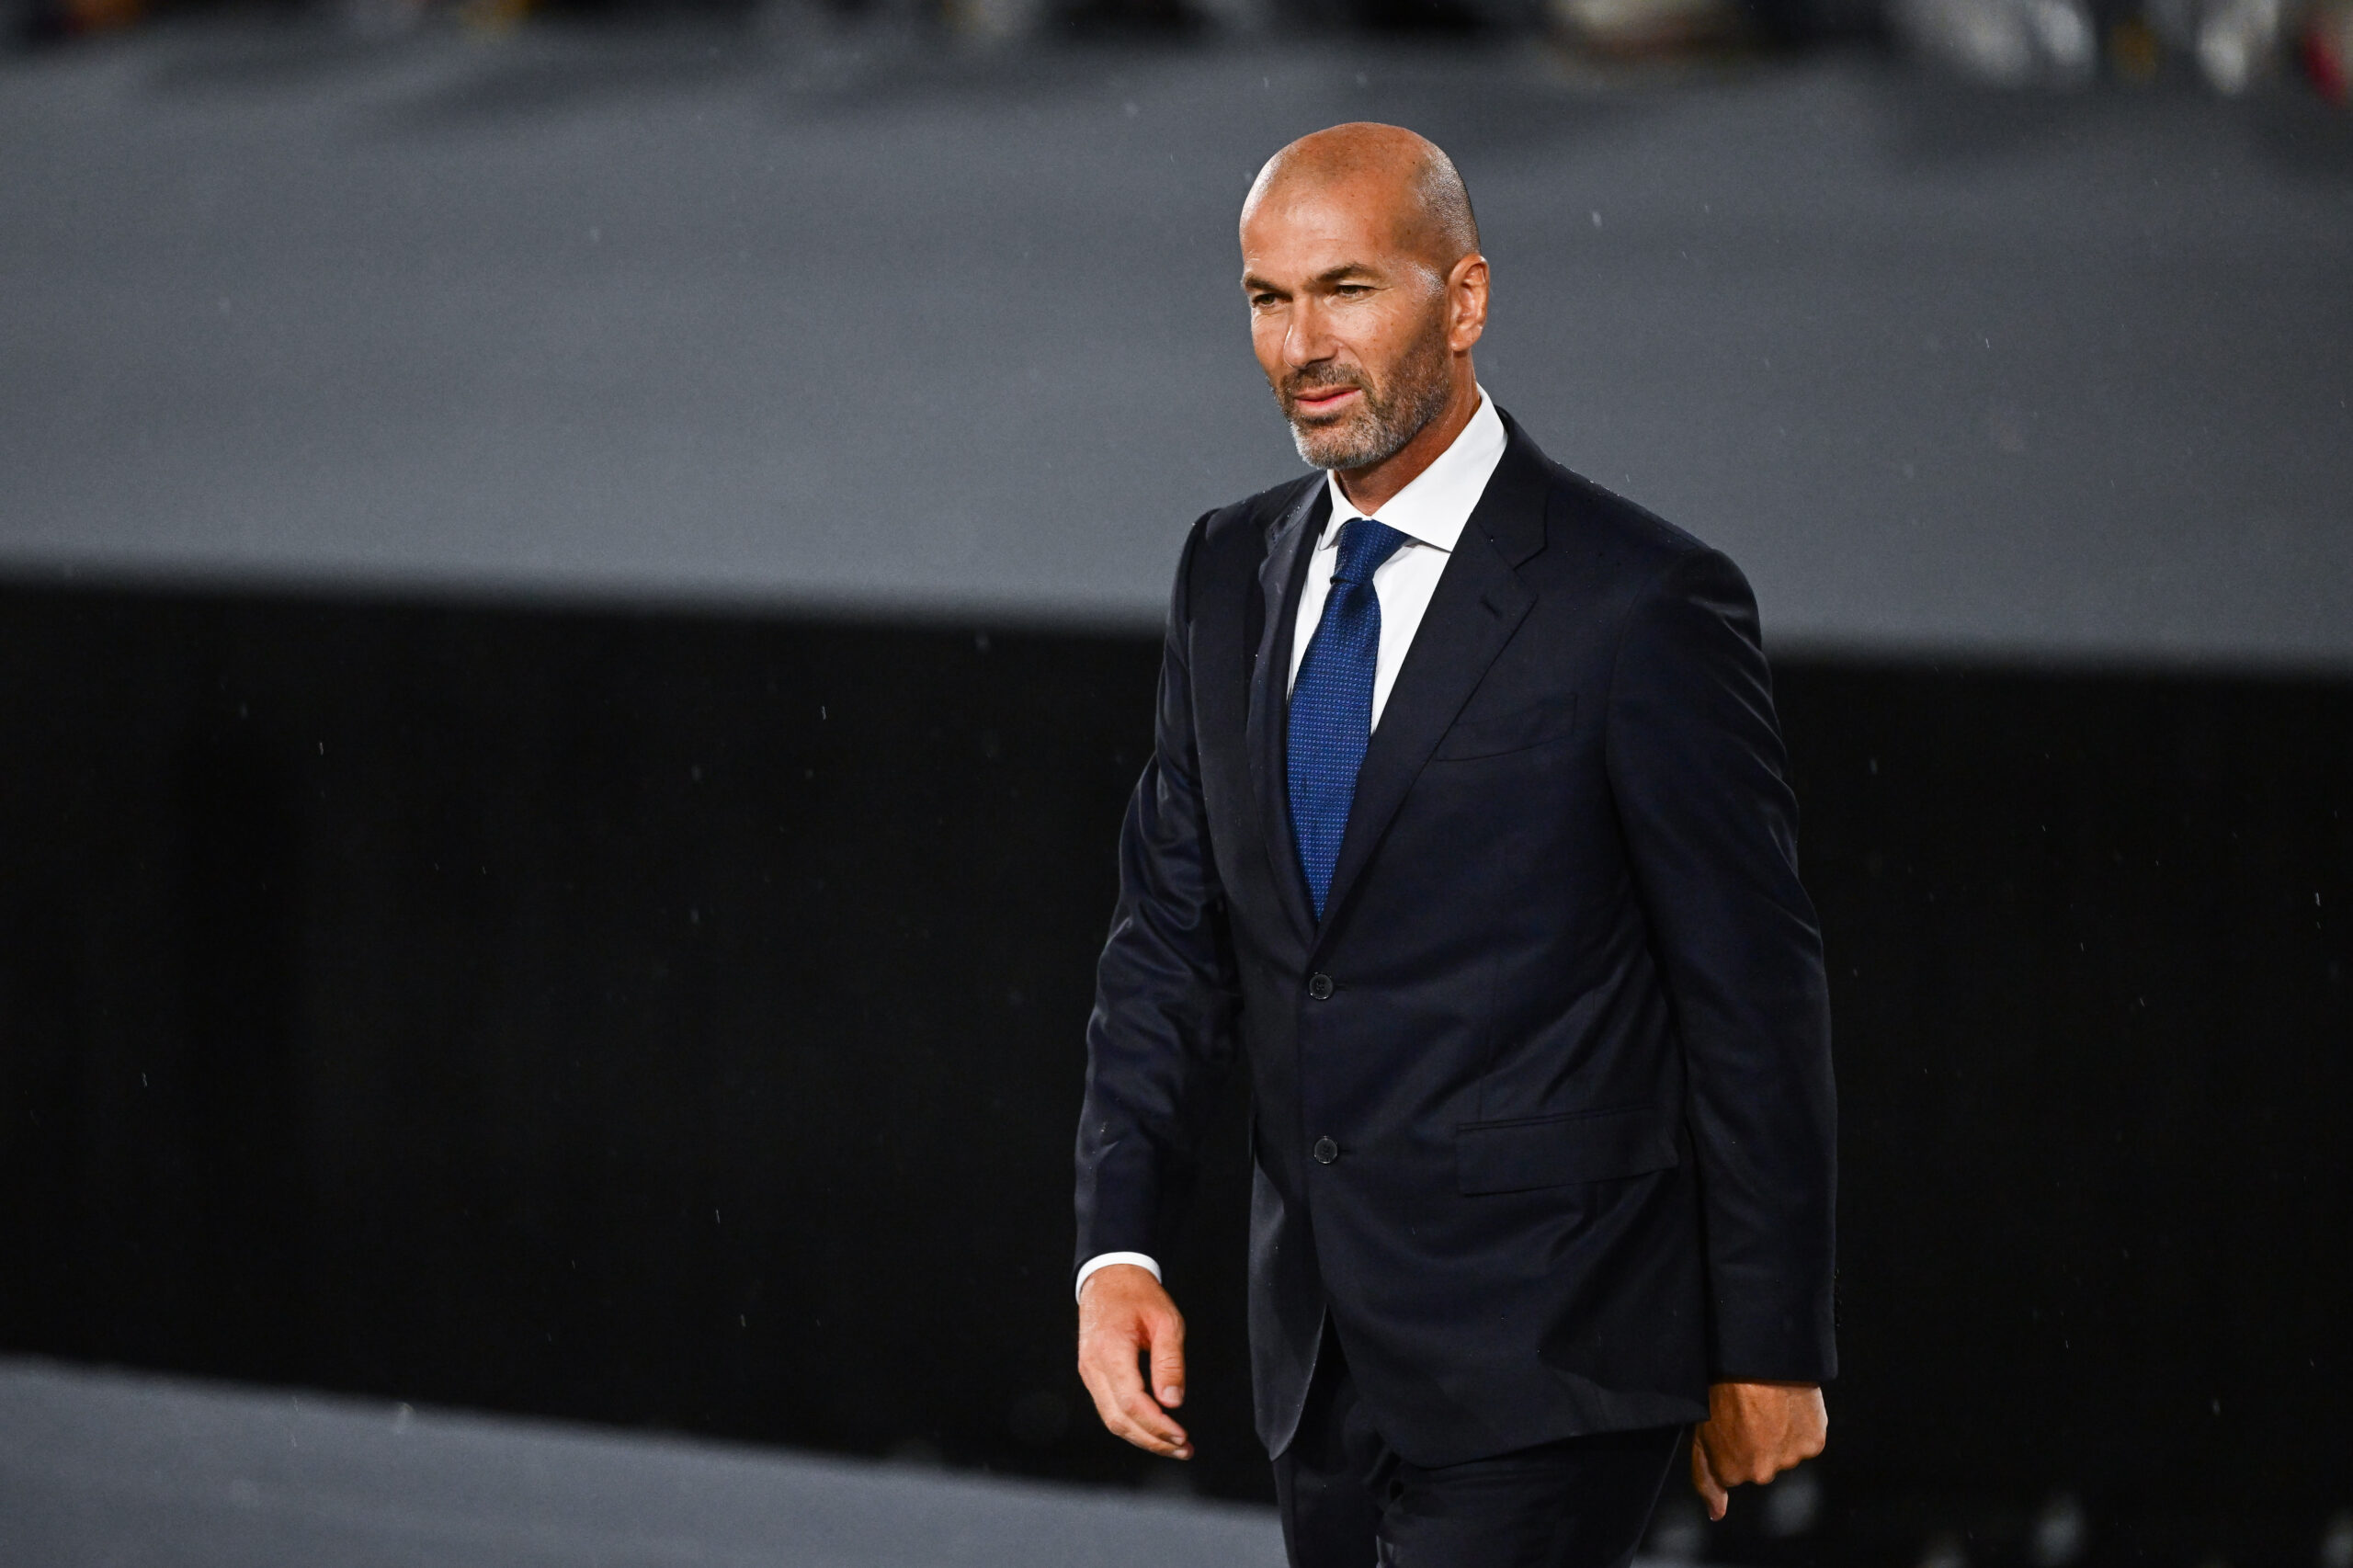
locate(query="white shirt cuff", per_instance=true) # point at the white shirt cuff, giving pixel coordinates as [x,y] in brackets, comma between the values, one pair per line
[1104,1259]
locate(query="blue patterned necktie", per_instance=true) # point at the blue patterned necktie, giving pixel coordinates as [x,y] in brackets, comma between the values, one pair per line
[1331,703]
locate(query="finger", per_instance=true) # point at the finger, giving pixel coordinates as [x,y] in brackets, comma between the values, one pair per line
[1795,1450]
[1147,1426]
[1168,1360]
[1107,1365]
[1796,1445]
[1155,1425]
[1106,1397]
[1703,1481]
[1117,1406]
[1735,1457]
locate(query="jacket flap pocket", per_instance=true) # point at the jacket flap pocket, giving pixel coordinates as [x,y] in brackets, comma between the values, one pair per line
[1531,726]
[1551,1151]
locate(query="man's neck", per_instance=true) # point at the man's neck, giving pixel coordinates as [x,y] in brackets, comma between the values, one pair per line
[1371,487]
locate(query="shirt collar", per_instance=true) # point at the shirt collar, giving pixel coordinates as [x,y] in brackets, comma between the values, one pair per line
[1434,507]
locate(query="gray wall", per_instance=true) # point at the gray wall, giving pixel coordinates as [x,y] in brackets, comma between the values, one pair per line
[681,316]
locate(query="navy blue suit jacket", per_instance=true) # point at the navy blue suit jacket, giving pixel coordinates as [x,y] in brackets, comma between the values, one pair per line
[1564,1023]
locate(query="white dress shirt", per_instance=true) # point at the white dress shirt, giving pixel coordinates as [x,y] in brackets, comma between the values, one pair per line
[1430,512]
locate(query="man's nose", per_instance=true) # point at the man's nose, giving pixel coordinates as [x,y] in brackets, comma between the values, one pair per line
[1308,341]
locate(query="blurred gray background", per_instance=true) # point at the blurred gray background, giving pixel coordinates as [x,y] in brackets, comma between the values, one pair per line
[692,313]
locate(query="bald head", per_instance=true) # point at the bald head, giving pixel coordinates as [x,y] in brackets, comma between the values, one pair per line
[1384,169]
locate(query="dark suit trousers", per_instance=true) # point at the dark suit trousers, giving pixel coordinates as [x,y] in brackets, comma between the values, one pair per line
[1349,1501]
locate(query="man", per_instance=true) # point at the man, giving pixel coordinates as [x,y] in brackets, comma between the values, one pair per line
[1467,826]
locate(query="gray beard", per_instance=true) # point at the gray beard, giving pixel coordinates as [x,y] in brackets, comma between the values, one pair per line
[1379,429]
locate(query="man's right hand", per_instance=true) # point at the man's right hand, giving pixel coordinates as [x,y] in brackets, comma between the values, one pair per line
[1124,1317]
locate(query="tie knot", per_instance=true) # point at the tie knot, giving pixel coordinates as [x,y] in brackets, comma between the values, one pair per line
[1364,545]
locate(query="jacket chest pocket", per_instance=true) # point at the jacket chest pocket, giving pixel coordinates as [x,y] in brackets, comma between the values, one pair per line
[1524,729]
[1554,1150]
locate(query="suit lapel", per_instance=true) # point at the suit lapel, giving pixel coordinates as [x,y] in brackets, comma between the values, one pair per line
[1479,603]
[1281,577]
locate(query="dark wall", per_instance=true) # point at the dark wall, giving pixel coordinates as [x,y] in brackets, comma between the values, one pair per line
[2088,947]
[652,1020]
[676,1020]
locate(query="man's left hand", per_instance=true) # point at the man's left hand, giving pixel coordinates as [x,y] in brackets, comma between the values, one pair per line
[1754,1431]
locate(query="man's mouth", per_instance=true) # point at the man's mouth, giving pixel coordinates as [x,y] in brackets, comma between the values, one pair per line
[1323,400]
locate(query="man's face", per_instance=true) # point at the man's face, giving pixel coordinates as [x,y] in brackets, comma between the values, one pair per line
[1349,324]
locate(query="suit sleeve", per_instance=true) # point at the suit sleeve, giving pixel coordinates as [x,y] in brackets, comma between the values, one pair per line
[1701,785]
[1161,1035]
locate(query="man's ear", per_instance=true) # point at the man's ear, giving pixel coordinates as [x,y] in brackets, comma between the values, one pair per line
[1466,289]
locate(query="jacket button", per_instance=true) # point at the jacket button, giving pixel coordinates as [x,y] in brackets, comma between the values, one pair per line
[1319,986]
[1326,1150]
